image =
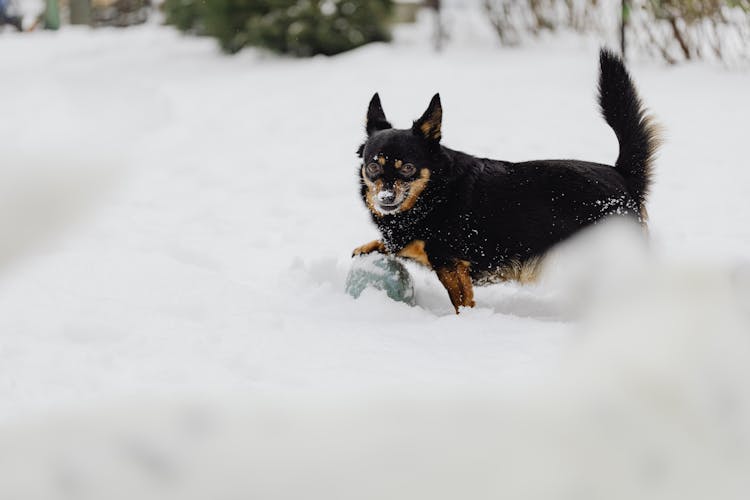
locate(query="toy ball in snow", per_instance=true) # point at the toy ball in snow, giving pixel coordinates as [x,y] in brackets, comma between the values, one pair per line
[382,273]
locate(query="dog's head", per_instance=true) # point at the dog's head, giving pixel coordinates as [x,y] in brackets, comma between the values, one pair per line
[397,165]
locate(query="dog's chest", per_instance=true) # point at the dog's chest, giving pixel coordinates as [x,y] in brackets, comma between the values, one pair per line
[398,234]
[447,234]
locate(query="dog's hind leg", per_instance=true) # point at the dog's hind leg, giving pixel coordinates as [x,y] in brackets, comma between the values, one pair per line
[373,246]
[456,279]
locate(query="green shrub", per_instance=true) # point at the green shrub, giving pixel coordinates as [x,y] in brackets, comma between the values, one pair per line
[296,27]
[185,15]
[321,26]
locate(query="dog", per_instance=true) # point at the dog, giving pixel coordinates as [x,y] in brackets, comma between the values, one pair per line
[476,221]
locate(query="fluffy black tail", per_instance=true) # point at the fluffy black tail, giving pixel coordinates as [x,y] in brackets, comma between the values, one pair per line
[635,129]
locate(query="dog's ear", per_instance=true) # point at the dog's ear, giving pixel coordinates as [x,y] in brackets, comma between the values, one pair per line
[375,117]
[428,126]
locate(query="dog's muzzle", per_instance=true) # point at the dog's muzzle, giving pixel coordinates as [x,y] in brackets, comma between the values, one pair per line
[387,201]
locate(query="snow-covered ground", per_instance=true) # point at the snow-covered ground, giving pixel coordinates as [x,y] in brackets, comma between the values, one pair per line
[176,223]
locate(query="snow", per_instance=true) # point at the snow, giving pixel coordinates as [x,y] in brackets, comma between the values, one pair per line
[179,224]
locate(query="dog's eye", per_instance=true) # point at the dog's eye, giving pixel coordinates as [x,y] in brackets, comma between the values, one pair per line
[373,169]
[408,170]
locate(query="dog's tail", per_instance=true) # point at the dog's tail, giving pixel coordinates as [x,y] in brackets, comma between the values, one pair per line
[636,131]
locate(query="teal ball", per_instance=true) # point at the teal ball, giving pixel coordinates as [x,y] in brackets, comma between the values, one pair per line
[380,272]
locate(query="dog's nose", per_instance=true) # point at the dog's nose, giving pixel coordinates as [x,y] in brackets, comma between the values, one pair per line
[387,197]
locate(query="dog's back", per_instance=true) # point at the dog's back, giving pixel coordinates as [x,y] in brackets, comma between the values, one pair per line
[502,214]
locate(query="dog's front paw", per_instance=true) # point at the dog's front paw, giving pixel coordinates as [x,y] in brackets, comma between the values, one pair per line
[373,246]
[463,301]
[456,278]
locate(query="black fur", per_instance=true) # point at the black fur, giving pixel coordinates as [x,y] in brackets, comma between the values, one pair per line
[623,111]
[492,213]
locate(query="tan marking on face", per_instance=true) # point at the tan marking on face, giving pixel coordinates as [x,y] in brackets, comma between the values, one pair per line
[373,246]
[415,251]
[456,278]
[399,188]
[373,188]
[381,160]
[398,164]
[415,189]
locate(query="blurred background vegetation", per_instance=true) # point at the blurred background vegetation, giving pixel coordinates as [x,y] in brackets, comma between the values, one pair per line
[673,30]
[670,30]
[300,28]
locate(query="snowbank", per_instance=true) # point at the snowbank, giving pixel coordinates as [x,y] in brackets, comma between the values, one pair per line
[176,232]
[650,401]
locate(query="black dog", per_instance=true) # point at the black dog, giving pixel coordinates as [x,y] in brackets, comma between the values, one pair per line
[477,221]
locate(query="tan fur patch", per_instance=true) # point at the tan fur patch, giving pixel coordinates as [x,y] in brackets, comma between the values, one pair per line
[655,134]
[373,188]
[398,163]
[643,215]
[415,251]
[416,188]
[431,127]
[373,246]
[523,272]
[399,187]
[457,281]
[381,160]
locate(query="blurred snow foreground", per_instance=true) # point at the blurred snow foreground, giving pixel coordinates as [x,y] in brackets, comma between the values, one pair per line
[650,401]
[176,230]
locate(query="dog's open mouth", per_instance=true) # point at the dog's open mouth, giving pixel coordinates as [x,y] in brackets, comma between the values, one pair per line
[383,207]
